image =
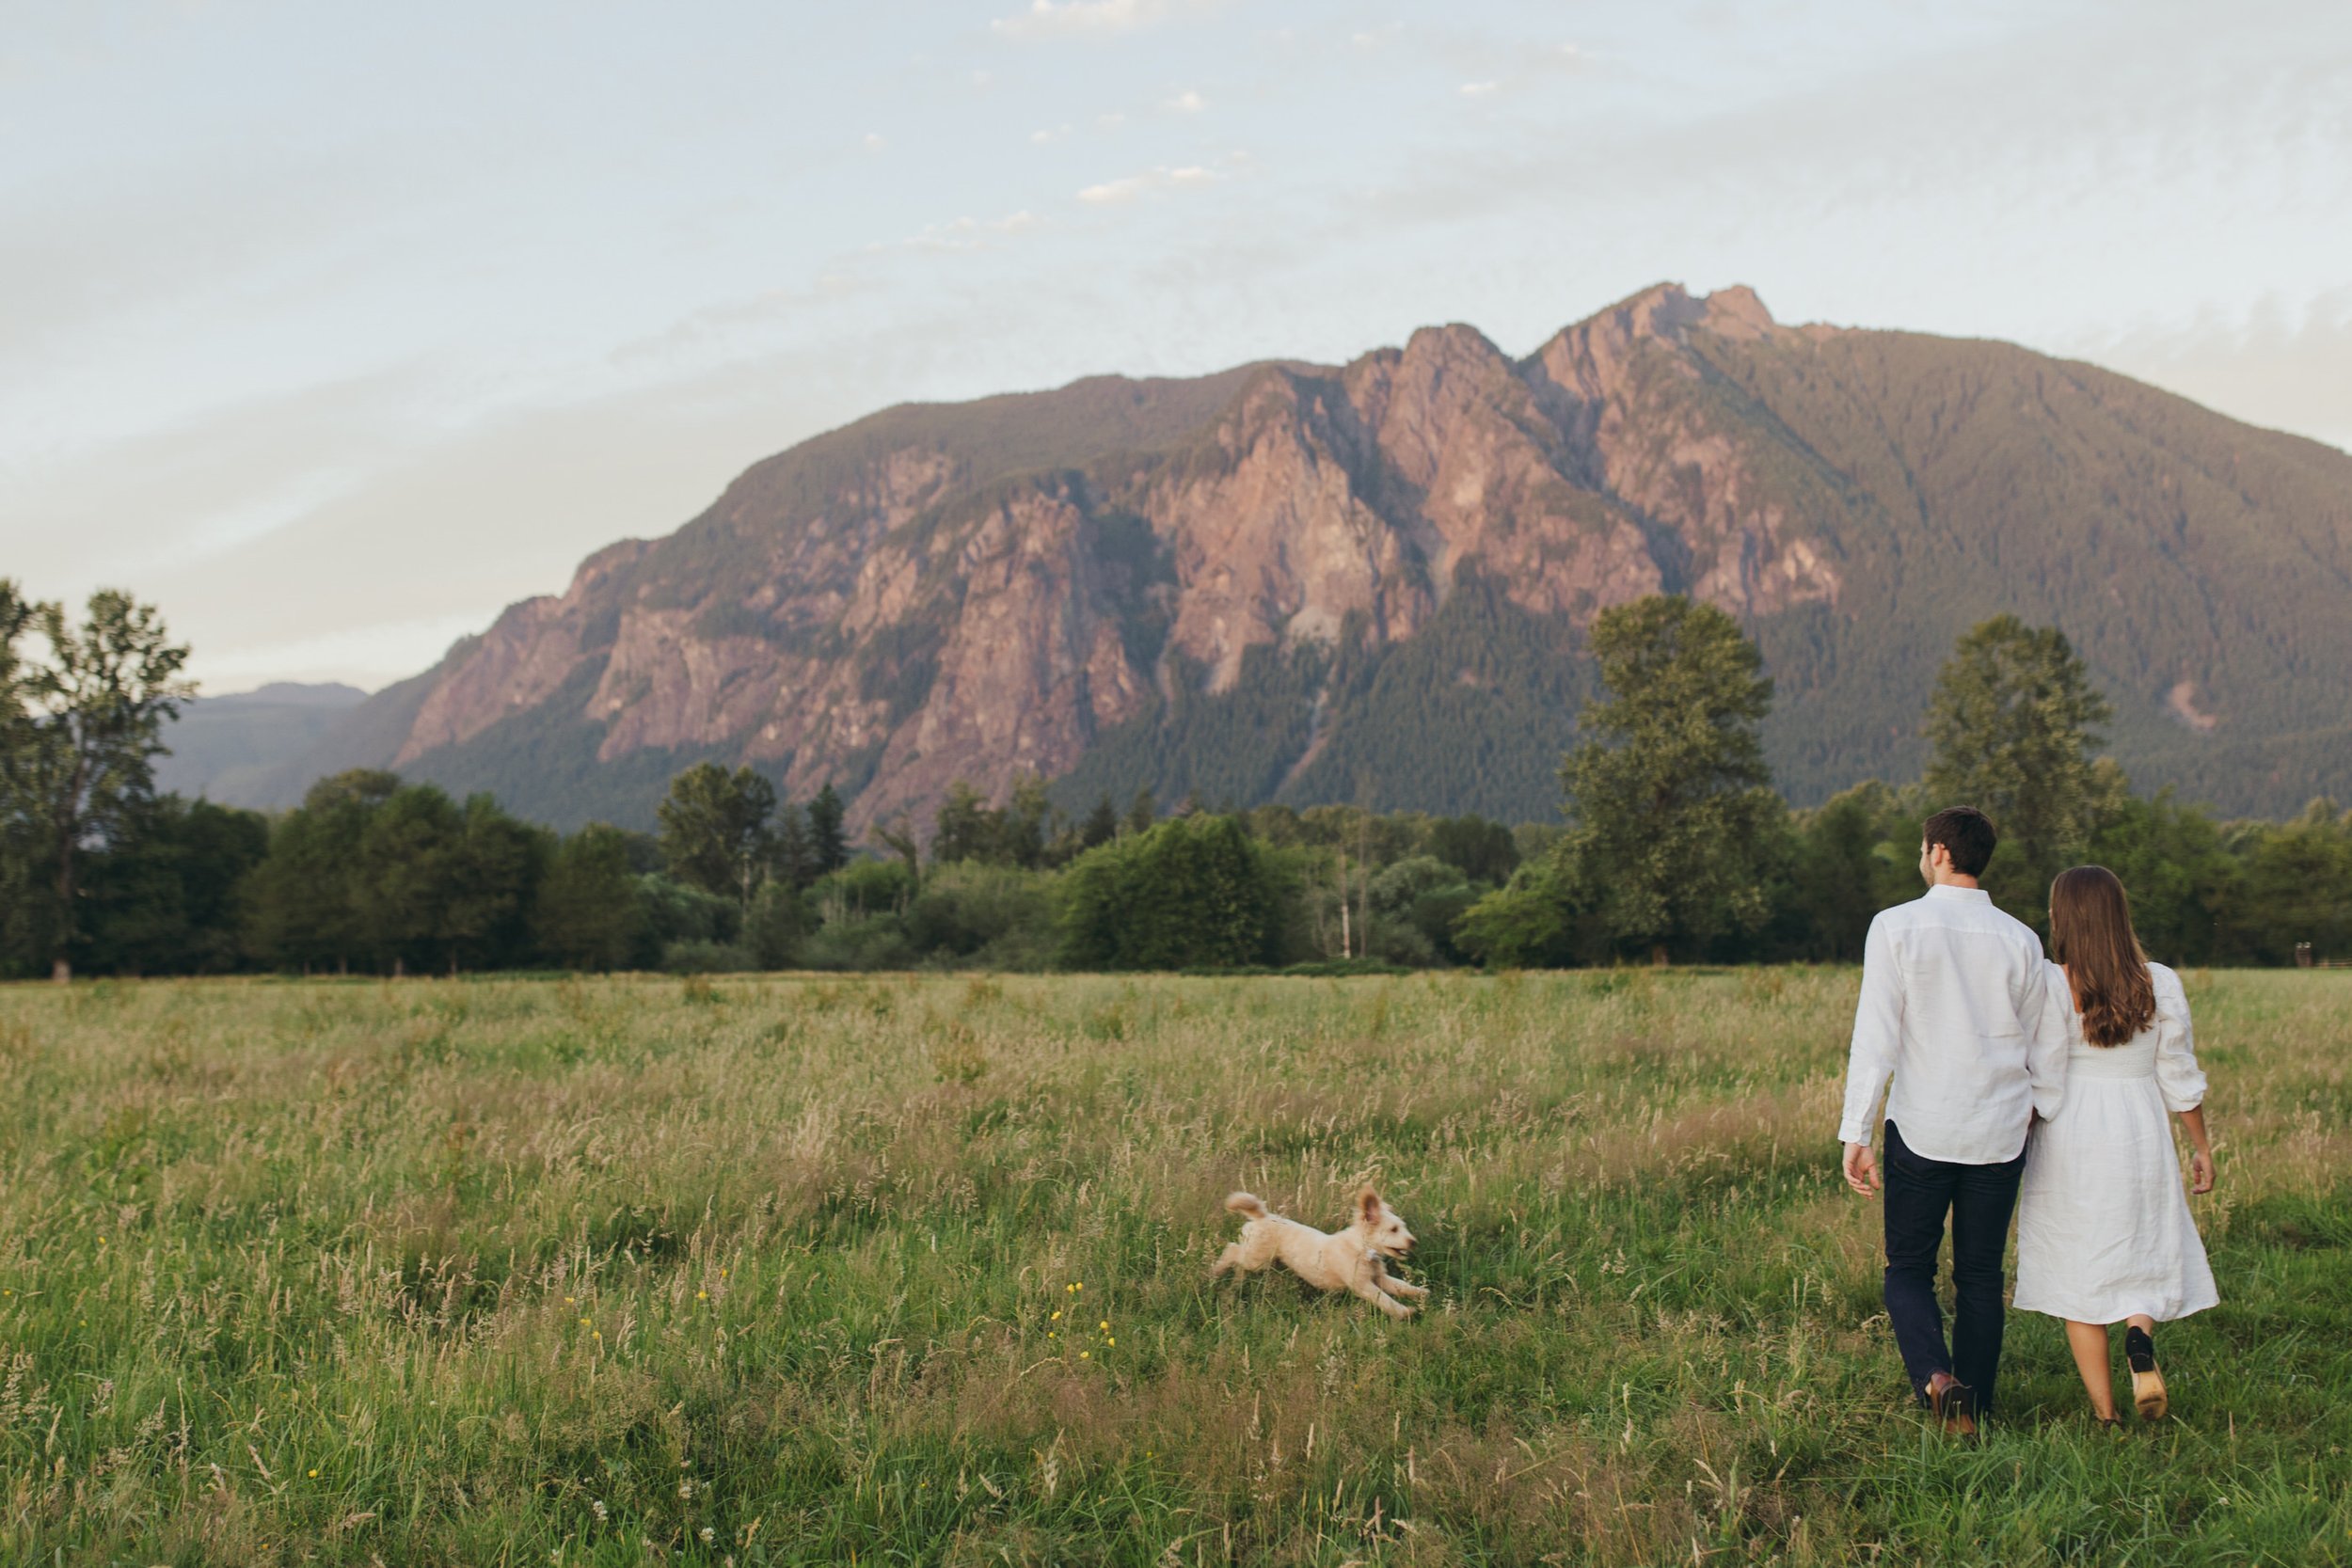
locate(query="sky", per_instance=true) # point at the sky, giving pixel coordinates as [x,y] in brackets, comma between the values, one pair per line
[333,328]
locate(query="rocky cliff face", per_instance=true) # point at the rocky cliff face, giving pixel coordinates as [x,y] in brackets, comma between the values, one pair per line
[987,591]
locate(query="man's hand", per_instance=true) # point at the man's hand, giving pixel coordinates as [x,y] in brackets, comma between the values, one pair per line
[1862,1171]
[2200,1172]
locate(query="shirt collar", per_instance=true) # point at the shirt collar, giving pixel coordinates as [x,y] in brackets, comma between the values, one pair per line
[1975,894]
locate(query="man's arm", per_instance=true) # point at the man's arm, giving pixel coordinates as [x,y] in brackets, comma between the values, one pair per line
[2046,1006]
[1871,1060]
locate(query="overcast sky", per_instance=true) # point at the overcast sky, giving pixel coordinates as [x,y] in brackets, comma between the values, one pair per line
[336,327]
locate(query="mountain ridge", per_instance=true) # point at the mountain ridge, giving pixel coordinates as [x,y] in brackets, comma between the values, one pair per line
[1369,581]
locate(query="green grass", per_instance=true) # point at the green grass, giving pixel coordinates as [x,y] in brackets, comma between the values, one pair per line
[574,1271]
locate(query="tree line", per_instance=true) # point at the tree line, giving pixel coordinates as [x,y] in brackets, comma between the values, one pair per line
[1674,844]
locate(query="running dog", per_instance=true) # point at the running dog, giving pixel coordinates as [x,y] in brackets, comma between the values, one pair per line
[1355,1259]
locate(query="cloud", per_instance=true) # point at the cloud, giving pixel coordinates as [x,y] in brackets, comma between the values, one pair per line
[1186,102]
[1049,133]
[1481,89]
[1127,187]
[1092,18]
[876,141]
[2284,364]
[971,233]
[1110,121]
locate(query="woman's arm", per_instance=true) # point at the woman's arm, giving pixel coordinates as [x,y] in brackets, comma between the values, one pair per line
[2201,1160]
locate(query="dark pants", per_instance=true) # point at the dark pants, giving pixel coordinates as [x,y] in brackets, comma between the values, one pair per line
[1979,1198]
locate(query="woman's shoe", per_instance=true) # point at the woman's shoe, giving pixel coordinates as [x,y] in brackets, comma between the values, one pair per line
[2148,1394]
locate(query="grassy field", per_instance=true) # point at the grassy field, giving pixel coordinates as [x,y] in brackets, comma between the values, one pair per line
[913,1271]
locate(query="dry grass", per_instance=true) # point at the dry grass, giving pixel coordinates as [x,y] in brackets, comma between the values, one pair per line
[578,1271]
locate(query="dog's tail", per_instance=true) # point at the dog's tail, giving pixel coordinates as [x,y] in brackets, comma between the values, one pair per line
[1245,1203]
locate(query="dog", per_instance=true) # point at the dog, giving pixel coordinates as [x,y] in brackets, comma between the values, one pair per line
[1355,1259]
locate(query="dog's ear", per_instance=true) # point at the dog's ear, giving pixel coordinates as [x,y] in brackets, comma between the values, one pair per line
[1368,1206]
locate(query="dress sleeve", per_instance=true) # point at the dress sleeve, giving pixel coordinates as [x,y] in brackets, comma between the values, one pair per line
[2177,1073]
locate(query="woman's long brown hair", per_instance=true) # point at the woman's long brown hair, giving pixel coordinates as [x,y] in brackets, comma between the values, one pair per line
[2091,933]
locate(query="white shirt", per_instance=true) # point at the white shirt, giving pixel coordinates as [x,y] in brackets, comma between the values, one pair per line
[1955,1008]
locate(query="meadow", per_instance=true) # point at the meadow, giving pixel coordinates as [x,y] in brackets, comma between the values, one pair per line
[914,1270]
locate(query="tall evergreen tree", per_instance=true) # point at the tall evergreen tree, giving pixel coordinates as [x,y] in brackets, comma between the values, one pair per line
[964,828]
[714,829]
[1670,800]
[2013,723]
[1025,823]
[793,854]
[829,847]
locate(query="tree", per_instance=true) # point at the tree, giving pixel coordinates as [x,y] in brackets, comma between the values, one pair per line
[1142,812]
[404,875]
[161,898]
[2013,724]
[589,913]
[302,908]
[795,853]
[1528,922]
[1839,876]
[90,724]
[23,936]
[1670,800]
[1025,823]
[495,872]
[1192,892]
[714,829]
[829,848]
[776,926]
[2298,886]
[964,829]
[1100,824]
[1482,852]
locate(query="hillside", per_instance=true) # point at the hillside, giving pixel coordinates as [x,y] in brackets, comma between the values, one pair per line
[233,748]
[1368,582]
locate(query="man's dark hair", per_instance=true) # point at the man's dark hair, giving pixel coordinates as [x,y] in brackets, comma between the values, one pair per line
[1967,832]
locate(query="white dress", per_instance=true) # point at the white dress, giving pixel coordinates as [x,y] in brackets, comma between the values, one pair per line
[2103,1226]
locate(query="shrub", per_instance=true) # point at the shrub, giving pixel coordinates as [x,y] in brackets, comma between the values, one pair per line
[707,958]
[1193,891]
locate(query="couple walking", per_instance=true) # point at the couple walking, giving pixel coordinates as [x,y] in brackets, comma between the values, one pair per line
[2041,1086]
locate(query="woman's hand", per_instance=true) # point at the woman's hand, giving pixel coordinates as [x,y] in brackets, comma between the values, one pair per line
[2201,1170]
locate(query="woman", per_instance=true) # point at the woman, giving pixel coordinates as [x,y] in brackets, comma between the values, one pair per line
[2104,1235]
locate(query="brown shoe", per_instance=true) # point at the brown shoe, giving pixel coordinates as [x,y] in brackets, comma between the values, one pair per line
[2148,1392]
[1950,1399]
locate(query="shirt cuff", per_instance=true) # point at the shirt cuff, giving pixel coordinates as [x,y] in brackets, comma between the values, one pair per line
[1852,1133]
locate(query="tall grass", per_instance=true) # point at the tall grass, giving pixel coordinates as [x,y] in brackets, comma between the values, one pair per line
[768,1271]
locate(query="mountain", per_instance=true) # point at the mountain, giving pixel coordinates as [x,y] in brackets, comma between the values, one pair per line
[1370,582]
[233,749]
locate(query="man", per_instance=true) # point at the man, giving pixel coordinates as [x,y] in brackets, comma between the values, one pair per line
[1955,1009]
